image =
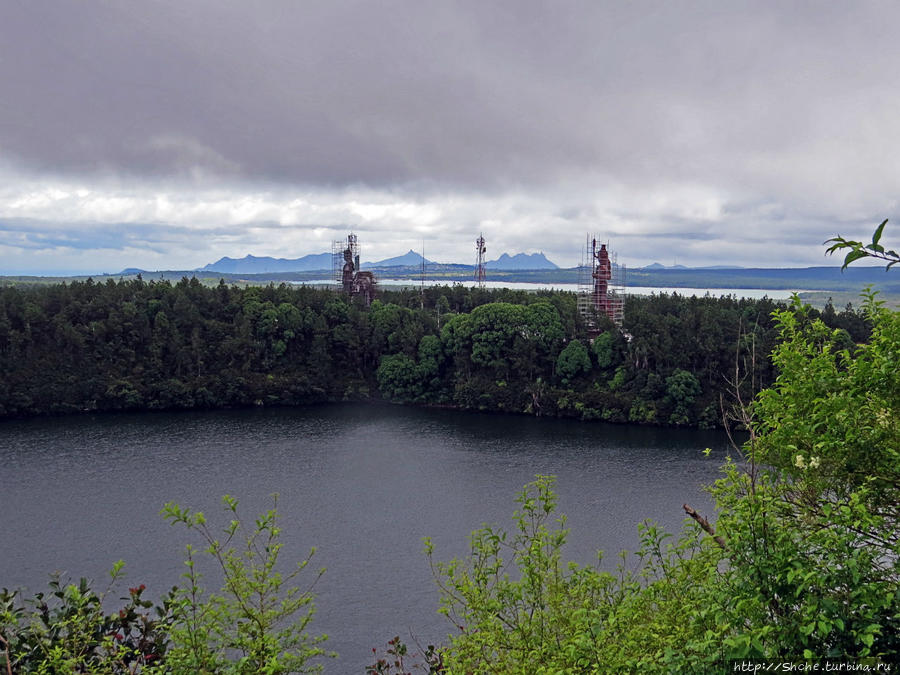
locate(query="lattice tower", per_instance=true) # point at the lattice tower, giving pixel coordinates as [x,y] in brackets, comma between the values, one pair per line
[480,250]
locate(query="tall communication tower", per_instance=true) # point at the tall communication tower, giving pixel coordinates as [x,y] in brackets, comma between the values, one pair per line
[422,279]
[480,250]
[601,284]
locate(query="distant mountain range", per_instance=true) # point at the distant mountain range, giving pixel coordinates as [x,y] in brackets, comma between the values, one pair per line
[251,264]
[657,266]
[535,268]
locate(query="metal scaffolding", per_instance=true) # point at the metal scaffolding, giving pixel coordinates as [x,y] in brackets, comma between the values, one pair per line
[338,248]
[601,284]
[346,273]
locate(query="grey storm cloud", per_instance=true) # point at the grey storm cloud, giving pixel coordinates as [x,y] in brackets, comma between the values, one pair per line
[475,94]
[38,234]
[758,114]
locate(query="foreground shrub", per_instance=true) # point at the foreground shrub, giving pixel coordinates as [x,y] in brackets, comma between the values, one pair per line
[66,630]
[517,607]
[256,623]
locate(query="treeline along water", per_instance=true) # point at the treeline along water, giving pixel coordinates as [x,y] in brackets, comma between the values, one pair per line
[362,483]
[133,345]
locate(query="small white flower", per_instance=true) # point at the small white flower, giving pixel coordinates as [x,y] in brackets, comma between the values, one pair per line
[813,462]
[799,462]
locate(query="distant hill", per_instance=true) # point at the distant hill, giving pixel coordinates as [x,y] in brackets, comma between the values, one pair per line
[408,259]
[250,264]
[521,261]
[657,266]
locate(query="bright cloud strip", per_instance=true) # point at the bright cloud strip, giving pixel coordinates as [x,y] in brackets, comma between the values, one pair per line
[164,227]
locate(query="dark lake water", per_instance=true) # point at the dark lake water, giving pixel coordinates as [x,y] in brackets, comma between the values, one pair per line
[362,484]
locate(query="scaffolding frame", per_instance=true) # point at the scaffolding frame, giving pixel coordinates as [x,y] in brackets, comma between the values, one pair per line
[346,274]
[338,246]
[601,284]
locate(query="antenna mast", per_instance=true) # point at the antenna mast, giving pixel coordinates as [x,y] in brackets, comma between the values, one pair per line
[480,250]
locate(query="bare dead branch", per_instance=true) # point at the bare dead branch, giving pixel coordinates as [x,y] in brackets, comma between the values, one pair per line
[704,524]
[6,654]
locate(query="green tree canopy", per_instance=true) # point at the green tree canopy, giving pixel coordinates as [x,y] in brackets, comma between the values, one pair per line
[573,361]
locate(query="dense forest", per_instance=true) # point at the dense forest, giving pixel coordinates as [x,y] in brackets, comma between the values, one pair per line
[131,345]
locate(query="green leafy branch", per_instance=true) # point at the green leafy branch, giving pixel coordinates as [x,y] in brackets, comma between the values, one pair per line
[859,250]
[259,614]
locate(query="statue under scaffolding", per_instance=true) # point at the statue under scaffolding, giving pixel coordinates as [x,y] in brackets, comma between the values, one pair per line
[601,285]
[346,272]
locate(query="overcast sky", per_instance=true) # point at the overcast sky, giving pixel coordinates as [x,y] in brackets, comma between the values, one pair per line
[167,134]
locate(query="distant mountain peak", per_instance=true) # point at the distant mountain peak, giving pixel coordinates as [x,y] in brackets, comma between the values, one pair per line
[521,261]
[408,259]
